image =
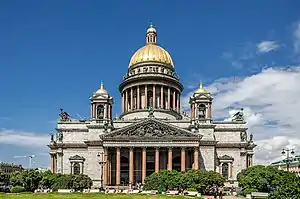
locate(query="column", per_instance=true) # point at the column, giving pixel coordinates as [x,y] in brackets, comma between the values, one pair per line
[250,162]
[108,114]
[131,98]
[118,166]
[162,96]
[220,168]
[192,111]
[52,163]
[131,166]
[196,158]
[92,115]
[138,97]
[178,104]
[209,111]
[105,175]
[168,106]
[146,97]
[170,159]
[156,160]
[182,164]
[123,102]
[174,100]
[144,165]
[105,111]
[109,168]
[126,100]
[154,96]
[230,170]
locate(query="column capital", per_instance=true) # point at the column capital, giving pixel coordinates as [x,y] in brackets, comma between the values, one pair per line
[183,148]
[157,148]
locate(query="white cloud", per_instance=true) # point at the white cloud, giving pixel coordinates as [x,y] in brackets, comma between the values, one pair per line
[24,139]
[271,103]
[267,46]
[297,38]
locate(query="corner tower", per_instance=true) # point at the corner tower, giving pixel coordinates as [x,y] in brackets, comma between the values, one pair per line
[101,105]
[201,102]
[151,82]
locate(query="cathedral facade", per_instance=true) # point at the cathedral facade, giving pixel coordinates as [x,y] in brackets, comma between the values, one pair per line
[151,133]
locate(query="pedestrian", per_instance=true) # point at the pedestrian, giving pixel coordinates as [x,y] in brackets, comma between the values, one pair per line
[220,193]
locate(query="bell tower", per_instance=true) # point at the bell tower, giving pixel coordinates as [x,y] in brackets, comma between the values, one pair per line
[101,105]
[201,106]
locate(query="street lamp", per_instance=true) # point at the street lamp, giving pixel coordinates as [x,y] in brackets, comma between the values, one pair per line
[101,163]
[287,152]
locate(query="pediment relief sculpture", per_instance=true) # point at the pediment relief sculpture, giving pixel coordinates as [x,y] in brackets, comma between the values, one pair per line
[151,128]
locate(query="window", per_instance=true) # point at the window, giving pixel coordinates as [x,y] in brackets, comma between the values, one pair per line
[202,109]
[100,112]
[225,170]
[76,168]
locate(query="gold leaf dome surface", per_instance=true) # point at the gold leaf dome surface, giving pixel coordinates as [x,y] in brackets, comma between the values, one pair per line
[101,90]
[151,51]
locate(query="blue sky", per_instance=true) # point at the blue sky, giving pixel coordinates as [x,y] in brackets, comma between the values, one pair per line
[54,54]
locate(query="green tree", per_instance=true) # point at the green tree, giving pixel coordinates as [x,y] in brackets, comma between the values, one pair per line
[163,180]
[2,176]
[29,179]
[258,177]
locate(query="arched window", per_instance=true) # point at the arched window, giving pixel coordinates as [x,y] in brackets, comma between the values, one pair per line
[100,112]
[76,168]
[225,170]
[202,111]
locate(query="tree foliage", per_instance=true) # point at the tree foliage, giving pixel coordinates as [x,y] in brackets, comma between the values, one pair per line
[34,179]
[2,176]
[200,180]
[280,184]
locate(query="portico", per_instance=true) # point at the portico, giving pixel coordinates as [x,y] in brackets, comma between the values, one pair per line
[148,146]
[131,165]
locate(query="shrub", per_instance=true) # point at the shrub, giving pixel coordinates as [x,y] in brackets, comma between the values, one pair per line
[249,191]
[17,189]
[191,189]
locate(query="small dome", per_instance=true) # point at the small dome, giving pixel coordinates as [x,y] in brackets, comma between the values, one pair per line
[151,51]
[101,90]
[201,89]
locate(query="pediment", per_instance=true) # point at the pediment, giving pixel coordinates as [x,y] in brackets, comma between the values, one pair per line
[225,157]
[151,129]
[77,157]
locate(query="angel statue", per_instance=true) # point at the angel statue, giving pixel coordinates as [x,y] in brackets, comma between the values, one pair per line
[64,116]
[239,116]
[151,112]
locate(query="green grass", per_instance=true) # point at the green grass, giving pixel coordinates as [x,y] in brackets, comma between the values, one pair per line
[84,196]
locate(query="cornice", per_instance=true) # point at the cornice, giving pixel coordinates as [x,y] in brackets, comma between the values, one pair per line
[171,112]
[94,143]
[208,142]
[233,145]
[231,129]
[72,130]
[68,145]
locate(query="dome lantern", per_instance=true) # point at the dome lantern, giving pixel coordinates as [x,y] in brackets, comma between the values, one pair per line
[151,52]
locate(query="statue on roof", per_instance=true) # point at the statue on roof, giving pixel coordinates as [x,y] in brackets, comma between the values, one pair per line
[239,116]
[150,111]
[64,116]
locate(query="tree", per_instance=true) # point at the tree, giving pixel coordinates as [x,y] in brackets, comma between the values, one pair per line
[29,179]
[280,184]
[258,177]
[200,180]
[3,177]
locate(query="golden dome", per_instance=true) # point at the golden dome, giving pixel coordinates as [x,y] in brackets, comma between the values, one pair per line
[101,90]
[151,51]
[201,89]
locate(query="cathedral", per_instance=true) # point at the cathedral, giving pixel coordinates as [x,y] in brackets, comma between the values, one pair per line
[151,133]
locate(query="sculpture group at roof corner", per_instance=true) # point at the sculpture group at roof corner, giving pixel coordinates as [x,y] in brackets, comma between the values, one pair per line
[64,116]
[239,116]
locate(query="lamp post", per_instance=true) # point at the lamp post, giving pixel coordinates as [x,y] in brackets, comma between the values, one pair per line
[287,152]
[101,163]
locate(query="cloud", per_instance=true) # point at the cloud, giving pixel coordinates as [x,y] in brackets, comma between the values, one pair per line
[267,46]
[270,99]
[296,35]
[24,139]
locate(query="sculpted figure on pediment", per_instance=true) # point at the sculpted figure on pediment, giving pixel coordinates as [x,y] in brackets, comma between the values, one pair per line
[152,129]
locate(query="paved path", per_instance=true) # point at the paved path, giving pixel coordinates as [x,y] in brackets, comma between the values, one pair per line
[225,197]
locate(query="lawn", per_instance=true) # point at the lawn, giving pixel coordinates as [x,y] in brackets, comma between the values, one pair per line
[84,196]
